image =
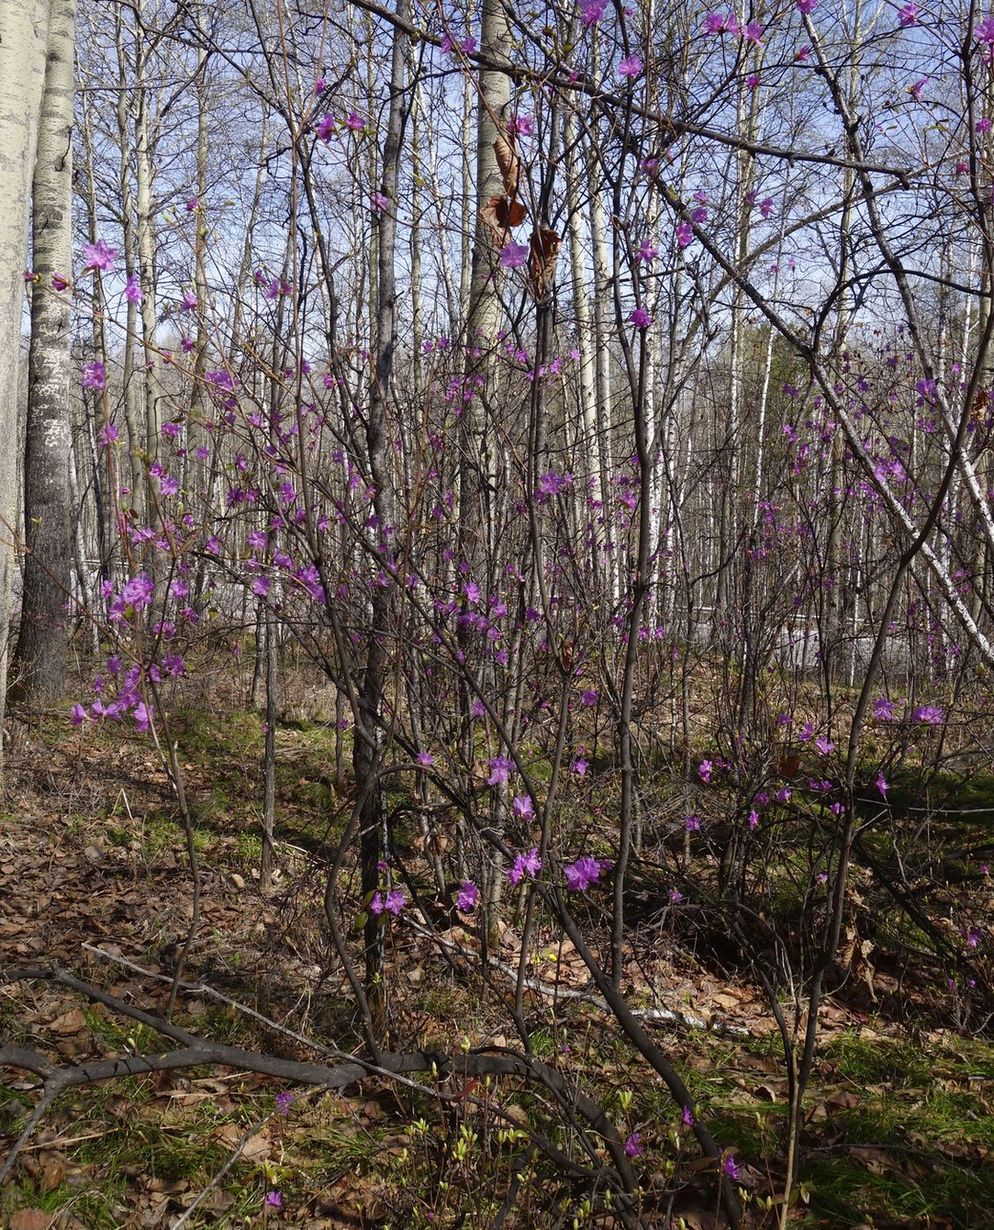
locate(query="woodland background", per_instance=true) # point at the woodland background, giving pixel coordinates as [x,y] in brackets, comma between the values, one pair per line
[496,614]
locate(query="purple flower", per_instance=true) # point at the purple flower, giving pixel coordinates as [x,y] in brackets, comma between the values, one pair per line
[260,586]
[753,32]
[646,251]
[581,874]
[929,715]
[520,125]
[379,202]
[326,127]
[274,1200]
[640,318]
[78,715]
[687,1117]
[95,377]
[881,783]
[143,718]
[580,766]
[591,11]
[634,1146]
[806,6]
[425,759]
[704,771]
[99,255]
[523,807]
[355,122]
[985,31]
[588,697]
[684,234]
[525,864]
[133,291]
[108,434]
[513,255]
[631,66]
[500,769]
[284,1101]
[824,745]
[467,897]
[395,901]
[138,591]
[730,1167]
[908,15]
[692,823]
[883,709]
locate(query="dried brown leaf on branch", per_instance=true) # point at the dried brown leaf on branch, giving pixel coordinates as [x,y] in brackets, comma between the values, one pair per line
[544,244]
[509,163]
[498,215]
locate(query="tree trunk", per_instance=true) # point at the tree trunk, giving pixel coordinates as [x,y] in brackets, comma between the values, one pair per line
[23,38]
[40,662]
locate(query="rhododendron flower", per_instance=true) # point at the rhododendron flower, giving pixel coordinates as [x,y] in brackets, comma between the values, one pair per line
[355,122]
[588,697]
[95,377]
[687,1117]
[692,823]
[730,1167]
[646,251]
[467,897]
[379,202]
[634,1146]
[523,807]
[138,591]
[78,715]
[133,291]
[59,281]
[425,760]
[704,771]
[881,783]
[513,255]
[753,32]
[883,708]
[631,66]
[930,715]
[640,318]
[525,864]
[908,15]
[99,255]
[591,11]
[500,769]
[684,234]
[985,31]
[581,874]
[274,1200]
[189,301]
[325,127]
[520,125]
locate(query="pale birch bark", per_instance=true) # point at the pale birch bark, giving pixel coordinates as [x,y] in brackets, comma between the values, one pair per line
[40,661]
[23,39]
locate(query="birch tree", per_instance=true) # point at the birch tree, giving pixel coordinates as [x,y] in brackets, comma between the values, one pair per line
[42,643]
[23,39]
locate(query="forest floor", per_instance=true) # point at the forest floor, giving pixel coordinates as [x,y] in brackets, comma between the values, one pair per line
[900,1123]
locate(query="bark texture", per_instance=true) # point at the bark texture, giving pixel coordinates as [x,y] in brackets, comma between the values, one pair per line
[23,38]
[40,661]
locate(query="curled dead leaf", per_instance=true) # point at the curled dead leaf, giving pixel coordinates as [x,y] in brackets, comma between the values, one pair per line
[509,163]
[544,244]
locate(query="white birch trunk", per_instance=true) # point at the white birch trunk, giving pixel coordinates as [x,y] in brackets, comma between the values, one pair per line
[23,39]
